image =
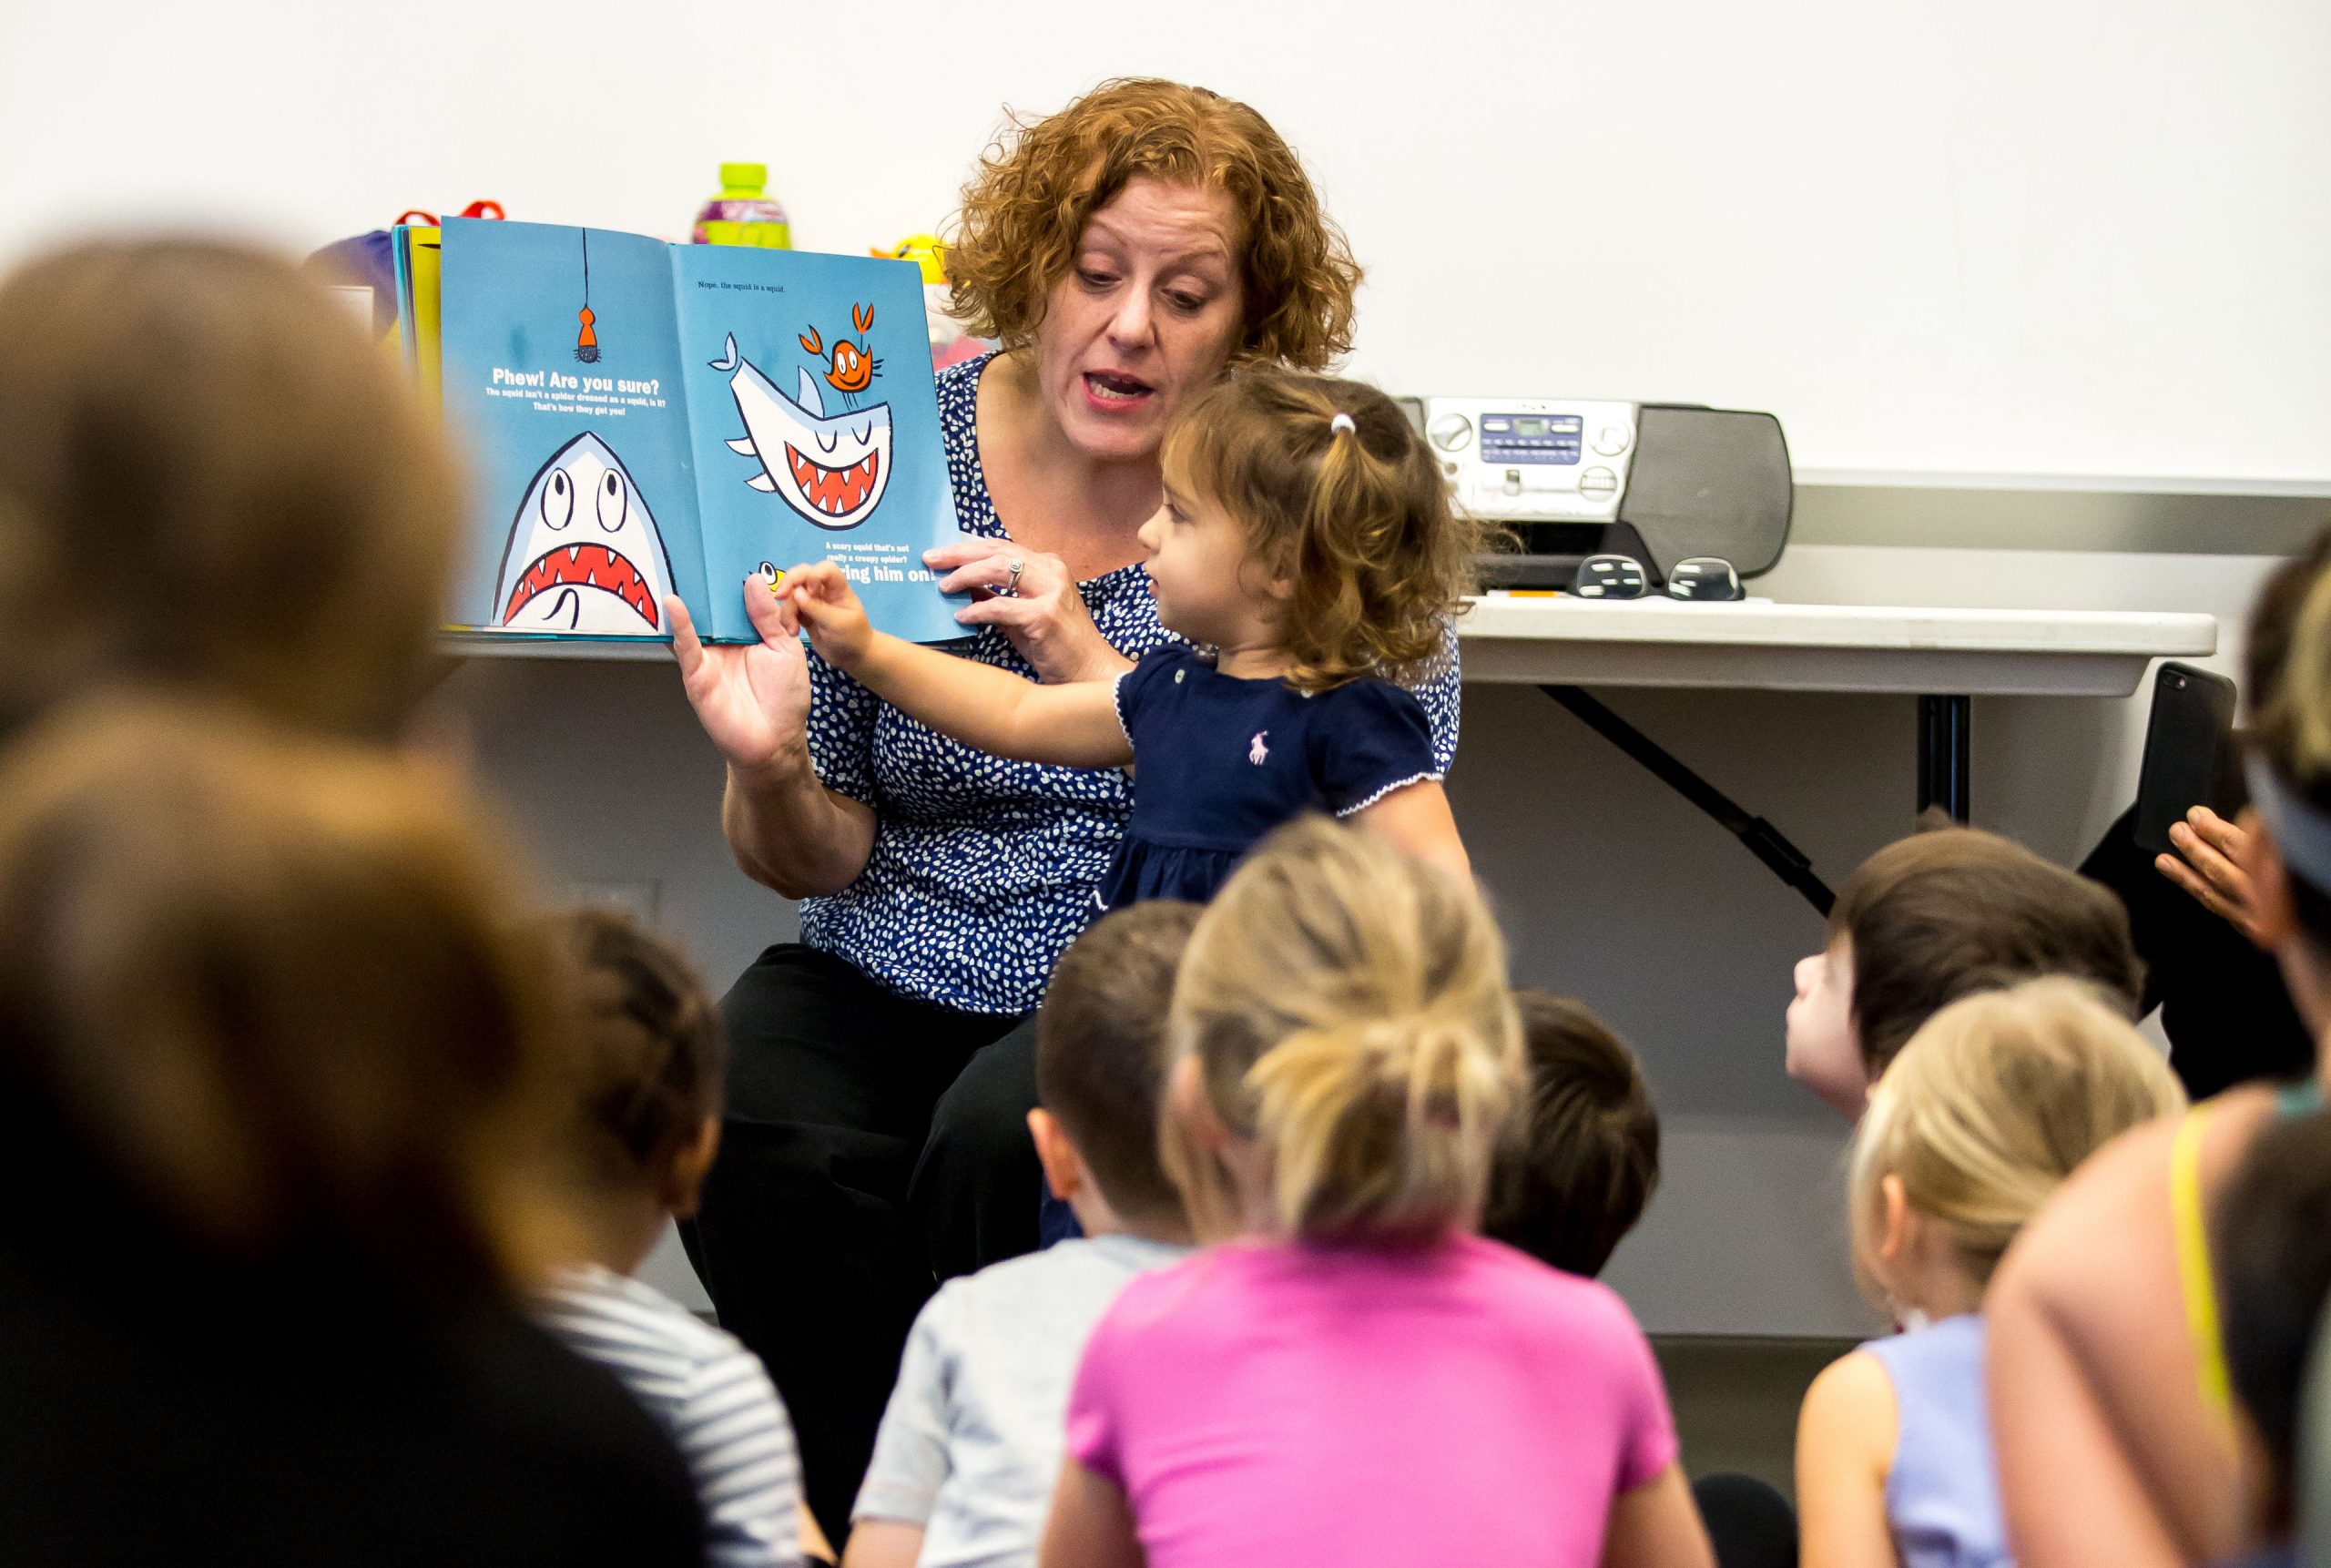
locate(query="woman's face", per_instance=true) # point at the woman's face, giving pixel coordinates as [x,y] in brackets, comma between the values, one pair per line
[1145,318]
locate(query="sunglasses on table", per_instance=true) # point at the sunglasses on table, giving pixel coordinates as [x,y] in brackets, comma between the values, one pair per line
[1702,578]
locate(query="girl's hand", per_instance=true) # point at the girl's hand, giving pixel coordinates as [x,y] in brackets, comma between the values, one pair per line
[829,610]
[2211,870]
[1043,616]
[752,699]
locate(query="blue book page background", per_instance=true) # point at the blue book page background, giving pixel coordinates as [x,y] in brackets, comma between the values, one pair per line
[816,428]
[585,509]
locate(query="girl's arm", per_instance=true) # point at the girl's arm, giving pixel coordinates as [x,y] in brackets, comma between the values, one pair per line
[882,1543]
[1416,817]
[1090,1526]
[1070,726]
[1656,1525]
[816,1547]
[1845,1450]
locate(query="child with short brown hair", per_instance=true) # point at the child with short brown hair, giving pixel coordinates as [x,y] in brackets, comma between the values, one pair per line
[969,1446]
[1582,1157]
[1928,919]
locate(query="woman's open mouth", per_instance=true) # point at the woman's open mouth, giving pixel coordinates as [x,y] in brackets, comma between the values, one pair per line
[1108,389]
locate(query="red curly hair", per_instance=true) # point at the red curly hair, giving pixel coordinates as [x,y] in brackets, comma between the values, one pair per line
[1025,209]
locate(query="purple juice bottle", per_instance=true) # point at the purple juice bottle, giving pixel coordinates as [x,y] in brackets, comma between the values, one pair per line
[744,213]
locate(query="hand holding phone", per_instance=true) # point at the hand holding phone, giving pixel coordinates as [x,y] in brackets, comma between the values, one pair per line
[2190,756]
[2206,862]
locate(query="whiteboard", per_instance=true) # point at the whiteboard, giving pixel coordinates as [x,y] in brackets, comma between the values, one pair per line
[2086,238]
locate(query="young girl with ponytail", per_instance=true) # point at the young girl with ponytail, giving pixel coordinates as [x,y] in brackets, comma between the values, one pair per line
[1306,552]
[1975,1124]
[1351,1376]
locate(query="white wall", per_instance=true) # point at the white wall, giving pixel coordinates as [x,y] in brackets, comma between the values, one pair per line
[1999,236]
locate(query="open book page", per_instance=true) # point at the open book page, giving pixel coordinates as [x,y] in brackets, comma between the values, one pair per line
[563,380]
[816,428]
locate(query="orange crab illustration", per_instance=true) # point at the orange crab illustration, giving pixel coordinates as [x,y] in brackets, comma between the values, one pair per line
[850,370]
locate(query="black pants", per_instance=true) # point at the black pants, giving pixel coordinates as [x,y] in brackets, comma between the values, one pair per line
[2223,1002]
[873,1145]
[1750,1523]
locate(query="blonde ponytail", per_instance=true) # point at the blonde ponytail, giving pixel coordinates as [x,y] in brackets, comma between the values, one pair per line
[1346,1009]
[1991,1104]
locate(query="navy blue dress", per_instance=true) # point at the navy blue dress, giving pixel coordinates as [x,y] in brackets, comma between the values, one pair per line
[1219,761]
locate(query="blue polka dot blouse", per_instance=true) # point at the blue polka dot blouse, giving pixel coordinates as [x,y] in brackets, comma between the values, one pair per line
[983,870]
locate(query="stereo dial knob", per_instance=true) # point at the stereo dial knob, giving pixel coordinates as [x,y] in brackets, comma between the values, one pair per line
[1452,431]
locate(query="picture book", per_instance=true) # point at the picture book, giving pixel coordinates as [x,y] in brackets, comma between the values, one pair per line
[415,252]
[645,418]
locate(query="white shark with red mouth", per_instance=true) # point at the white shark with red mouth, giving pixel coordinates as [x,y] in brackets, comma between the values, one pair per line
[584,554]
[831,469]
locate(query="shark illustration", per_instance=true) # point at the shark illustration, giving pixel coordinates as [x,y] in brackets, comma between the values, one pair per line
[832,470]
[584,554]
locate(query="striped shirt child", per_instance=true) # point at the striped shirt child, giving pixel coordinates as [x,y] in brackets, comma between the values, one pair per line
[709,1392]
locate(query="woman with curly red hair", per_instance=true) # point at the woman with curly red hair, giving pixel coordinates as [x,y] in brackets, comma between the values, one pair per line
[1126,251]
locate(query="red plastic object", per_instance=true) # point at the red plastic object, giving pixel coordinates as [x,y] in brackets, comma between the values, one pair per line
[475,209]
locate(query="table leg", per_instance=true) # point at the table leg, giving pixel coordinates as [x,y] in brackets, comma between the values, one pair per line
[1944,723]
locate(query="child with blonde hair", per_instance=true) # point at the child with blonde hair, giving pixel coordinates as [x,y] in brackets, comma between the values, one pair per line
[1352,1377]
[1306,552]
[1983,1113]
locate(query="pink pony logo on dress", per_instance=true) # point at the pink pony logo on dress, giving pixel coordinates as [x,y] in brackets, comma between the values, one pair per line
[1257,752]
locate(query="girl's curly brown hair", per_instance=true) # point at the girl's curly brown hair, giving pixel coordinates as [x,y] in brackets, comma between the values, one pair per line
[1358,521]
[1024,212]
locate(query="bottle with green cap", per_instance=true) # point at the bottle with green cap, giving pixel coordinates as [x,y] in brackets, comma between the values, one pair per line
[744,213]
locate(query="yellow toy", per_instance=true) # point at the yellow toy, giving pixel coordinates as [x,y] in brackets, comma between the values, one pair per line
[925,251]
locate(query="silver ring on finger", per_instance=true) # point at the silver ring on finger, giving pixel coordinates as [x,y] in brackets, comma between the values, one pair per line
[1011,570]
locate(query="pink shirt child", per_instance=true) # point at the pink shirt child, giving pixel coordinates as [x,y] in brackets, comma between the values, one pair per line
[1302,1403]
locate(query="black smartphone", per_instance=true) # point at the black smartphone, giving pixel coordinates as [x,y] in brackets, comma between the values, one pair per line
[2190,757]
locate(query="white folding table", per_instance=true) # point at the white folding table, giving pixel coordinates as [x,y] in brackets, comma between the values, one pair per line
[1946,658]
[1943,657]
